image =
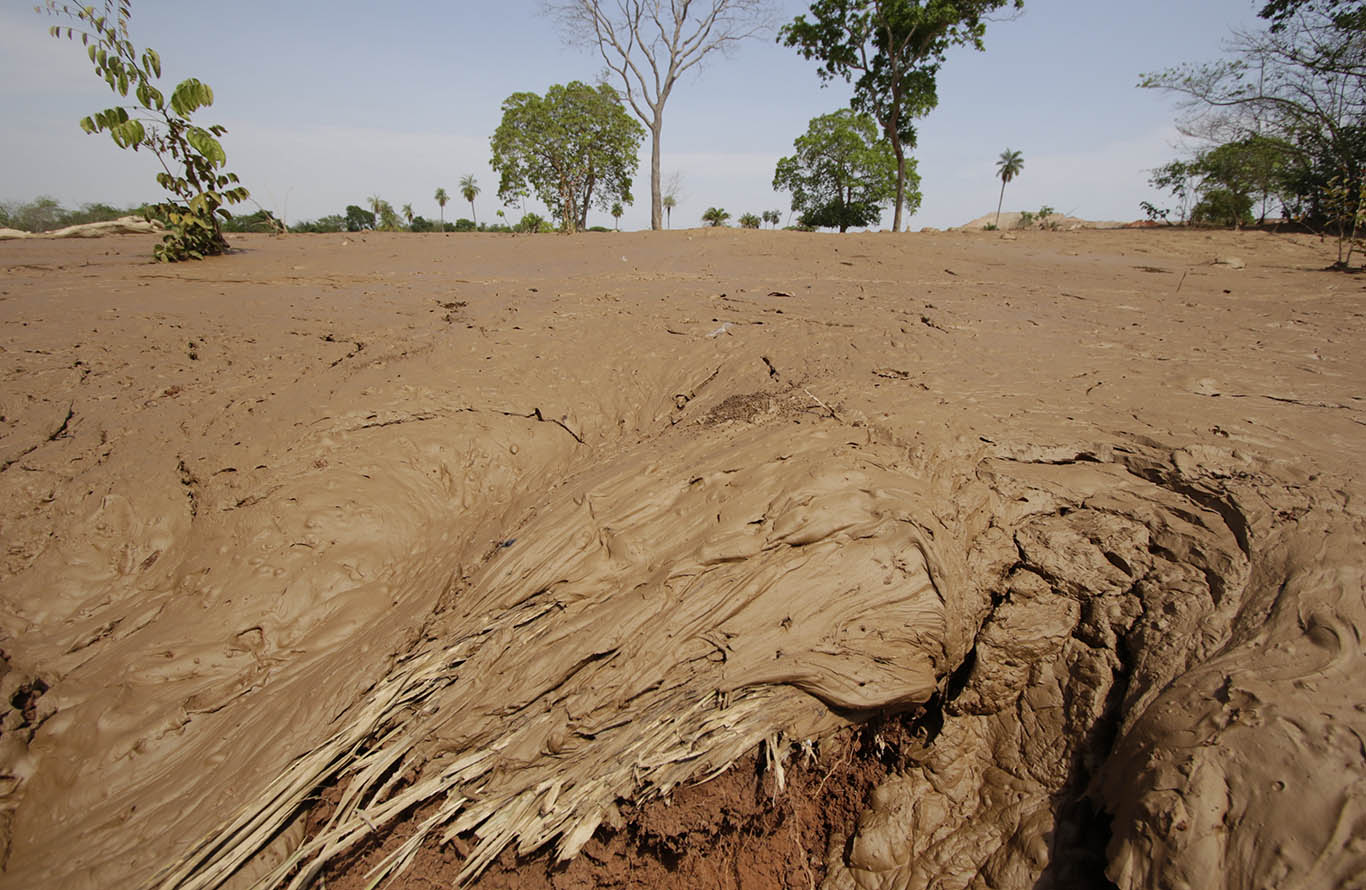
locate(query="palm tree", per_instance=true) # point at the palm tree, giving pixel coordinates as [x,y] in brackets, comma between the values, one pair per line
[670,202]
[616,214]
[470,189]
[408,214]
[1008,166]
[715,216]
[375,202]
[441,199]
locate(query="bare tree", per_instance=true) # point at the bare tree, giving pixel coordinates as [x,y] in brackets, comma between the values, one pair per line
[649,44]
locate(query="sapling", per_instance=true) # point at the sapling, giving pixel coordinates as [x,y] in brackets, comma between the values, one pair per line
[191,156]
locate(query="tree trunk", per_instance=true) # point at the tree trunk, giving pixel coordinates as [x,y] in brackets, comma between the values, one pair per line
[900,151]
[999,203]
[656,198]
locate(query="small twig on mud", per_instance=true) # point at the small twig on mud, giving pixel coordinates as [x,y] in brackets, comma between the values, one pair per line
[1182,281]
[822,404]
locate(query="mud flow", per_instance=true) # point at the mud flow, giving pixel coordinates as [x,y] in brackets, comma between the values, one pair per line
[747,562]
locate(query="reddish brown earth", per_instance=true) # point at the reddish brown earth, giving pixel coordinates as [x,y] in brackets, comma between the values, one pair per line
[527,561]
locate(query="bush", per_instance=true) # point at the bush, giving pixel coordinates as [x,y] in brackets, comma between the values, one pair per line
[532,223]
[465,225]
[333,223]
[1026,220]
[749,221]
[598,229]
[262,221]
[1223,207]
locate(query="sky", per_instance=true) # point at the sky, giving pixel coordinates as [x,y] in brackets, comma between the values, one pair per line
[330,101]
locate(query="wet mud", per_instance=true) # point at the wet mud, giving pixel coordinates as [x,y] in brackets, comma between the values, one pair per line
[699,559]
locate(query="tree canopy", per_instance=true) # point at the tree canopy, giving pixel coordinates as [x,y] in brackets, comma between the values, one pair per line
[574,148]
[891,51]
[842,174]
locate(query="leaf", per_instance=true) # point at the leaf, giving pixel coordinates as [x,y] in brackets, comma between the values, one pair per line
[191,94]
[203,142]
[129,134]
[153,61]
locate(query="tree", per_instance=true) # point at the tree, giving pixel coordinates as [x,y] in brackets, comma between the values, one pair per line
[469,189]
[388,218]
[891,51]
[715,216]
[358,219]
[669,203]
[842,173]
[191,156]
[441,199]
[574,147]
[649,44]
[773,217]
[1302,83]
[1250,171]
[1008,166]
[748,221]
[408,214]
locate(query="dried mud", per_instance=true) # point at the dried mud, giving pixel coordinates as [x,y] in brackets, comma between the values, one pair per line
[690,559]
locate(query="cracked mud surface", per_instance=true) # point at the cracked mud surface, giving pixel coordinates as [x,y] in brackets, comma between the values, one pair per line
[694,558]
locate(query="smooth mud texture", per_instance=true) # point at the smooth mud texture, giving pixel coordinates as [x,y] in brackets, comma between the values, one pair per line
[690,558]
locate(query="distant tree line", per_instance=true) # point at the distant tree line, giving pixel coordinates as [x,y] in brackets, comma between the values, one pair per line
[45,214]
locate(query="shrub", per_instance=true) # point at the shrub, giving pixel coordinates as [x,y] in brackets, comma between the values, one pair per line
[465,225]
[531,223]
[1223,207]
[749,221]
[333,223]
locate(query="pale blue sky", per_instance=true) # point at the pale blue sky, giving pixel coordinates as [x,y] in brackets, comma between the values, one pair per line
[329,102]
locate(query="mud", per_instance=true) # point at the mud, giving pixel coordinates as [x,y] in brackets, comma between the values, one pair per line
[488,559]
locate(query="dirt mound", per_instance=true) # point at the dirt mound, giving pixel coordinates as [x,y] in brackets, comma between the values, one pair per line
[1010,220]
[753,560]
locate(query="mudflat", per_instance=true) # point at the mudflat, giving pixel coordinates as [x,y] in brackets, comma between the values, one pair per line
[935,560]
